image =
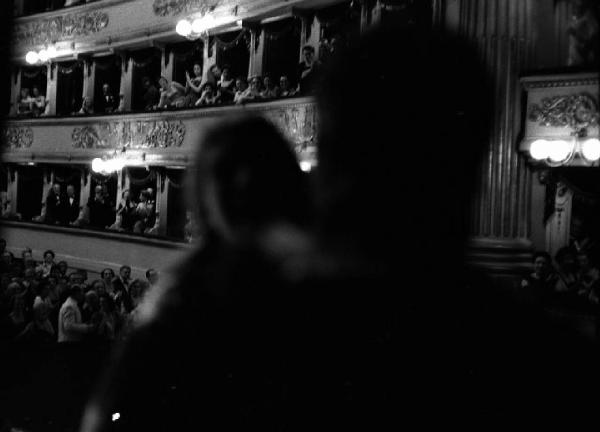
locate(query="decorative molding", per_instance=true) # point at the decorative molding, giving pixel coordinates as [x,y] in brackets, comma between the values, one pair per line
[298,123]
[165,8]
[559,83]
[577,111]
[130,134]
[17,137]
[60,28]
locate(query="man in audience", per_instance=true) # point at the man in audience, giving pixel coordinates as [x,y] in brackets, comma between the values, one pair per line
[285,89]
[121,289]
[108,101]
[70,208]
[308,71]
[70,324]
[54,205]
[151,94]
[99,209]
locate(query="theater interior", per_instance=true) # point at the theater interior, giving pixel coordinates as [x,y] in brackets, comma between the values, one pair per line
[105,103]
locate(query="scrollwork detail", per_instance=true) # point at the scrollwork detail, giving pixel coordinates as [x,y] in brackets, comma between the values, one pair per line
[165,8]
[17,137]
[577,111]
[130,134]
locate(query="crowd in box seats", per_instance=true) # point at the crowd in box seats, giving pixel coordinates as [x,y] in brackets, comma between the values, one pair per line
[570,282]
[131,215]
[48,302]
[219,87]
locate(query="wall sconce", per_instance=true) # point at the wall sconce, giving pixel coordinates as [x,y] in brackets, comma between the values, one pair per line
[42,56]
[199,27]
[560,152]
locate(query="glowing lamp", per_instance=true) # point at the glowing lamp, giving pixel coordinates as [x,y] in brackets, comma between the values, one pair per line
[52,52]
[590,149]
[539,149]
[97,165]
[31,57]
[183,28]
[559,150]
[43,55]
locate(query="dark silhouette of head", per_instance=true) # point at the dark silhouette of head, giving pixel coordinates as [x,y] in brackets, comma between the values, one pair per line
[397,161]
[247,177]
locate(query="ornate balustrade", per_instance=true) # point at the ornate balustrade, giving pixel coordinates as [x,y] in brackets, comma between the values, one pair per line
[163,138]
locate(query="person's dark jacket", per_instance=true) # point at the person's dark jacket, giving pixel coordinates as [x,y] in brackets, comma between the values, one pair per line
[53,207]
[69,211]
[101,214]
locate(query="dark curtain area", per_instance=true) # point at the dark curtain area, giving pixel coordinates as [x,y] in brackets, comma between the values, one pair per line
[67,175]
[69,87]
[29,191]
[185,55]
[340,25]
[176,207]
[146,62]
[108,70]
[139,179]
[282,49]
[111,183]
[233,51]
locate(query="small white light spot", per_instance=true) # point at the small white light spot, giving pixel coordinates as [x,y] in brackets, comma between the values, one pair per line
[116,416]
[305,166]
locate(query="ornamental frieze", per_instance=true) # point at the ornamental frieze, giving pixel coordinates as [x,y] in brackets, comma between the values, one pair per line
[577,111]
[175,7]
[17,137]
[60,28]
[130,134]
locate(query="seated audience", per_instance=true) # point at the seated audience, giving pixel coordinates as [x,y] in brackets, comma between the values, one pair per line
[39,331]
[40,104]
[54,205]
[107,276]
[270,91]
[151,94]
[25,103]
[172,95]
[144,213]
[214,74]
[7,211]
[240,87]
[285,90]
[252,93]
[209,96]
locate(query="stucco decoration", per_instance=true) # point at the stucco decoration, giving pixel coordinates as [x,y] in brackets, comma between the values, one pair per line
[17,137]
[298,124]
[60,28]
[130,134]
[577,111]
[175,7]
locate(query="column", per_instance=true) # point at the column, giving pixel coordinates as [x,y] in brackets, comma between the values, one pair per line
[162,198]
[209,57]
[89,78]
[500,225]
[310,33]
[12,184]
[126,80]
[51,84]
[167,60]
[15,90]
[257,50]
[86,184]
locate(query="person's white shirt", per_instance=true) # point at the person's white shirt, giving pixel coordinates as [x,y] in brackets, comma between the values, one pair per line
[70,326]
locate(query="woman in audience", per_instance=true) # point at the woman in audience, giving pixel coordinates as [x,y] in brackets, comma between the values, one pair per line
[39,102]
[144,213]
[270,91]
[209,96]
[46,266]
[15,322]
[240,87]
[107,276]
[25,103]
[226,86]
[285,89]
[214,74]
[172,94]
[252,93]
[193,85]
[125,212]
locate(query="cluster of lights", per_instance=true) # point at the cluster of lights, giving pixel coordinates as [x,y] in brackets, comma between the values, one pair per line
[561,151]
[198,26]
[41,56]
[107,166]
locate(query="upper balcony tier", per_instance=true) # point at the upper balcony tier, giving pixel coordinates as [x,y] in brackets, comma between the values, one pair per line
[160,138]
[109,25]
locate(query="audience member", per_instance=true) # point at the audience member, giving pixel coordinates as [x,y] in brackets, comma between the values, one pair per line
[151,94]
[172,95]
[107,276]
[309,71]
[25,102]
[240,87]
[100,210]
[144,213]
[209,96]
[252,93]
[193,85]
[125,213]
[108,102]
[540,284]
[213,74]
[46,266]
[120,286]
[87,106]
[39,103]
[70,325]
[270,91]
[70,206]
[54,205]
[226,86]
[285,89]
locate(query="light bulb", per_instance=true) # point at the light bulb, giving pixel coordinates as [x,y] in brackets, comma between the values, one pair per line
[97,165]
[590,149]
[198,25]
[559,150]
[31,57]
[43,55]
[539,149]
[52,52]
[183,28]
[305,166]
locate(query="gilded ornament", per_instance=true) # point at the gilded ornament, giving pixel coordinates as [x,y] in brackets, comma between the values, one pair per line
[17,137]
[175,7]
[577,111]
[130,134]
[60,28]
